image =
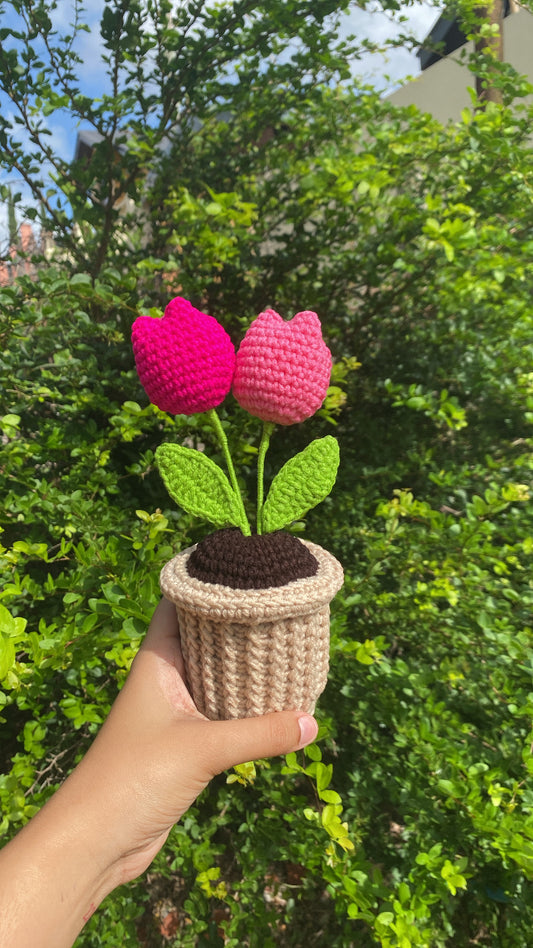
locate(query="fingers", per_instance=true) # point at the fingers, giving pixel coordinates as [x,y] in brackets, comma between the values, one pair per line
[163,637]
[163,625]
[220,744]
[234,742]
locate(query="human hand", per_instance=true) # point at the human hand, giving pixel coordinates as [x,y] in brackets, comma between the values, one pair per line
[103,827]
[156,752]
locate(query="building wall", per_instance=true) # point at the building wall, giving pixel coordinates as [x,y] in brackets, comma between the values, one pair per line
[19,259]
[442,89]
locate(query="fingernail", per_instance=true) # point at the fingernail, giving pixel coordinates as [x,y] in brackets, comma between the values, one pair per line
[308,730]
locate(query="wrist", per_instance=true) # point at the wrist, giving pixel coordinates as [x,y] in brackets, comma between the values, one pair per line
[84,804]
[53,875]
[107,811]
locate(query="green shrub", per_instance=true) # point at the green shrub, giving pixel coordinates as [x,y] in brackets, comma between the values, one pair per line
[410,821]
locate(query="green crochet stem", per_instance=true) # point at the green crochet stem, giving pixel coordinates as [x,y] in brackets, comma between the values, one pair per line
[221,434]
[268,428]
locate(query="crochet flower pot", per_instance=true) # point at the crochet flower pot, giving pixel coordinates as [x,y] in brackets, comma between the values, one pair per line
[250,649]
[252,605]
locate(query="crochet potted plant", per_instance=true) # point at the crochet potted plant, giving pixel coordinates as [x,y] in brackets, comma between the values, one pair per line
[252,601]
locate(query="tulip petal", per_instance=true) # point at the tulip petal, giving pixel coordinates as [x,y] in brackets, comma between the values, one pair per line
[283,368]
[185,360]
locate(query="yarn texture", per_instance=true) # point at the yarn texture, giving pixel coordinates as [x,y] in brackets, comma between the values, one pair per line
[254,562]
[251,651]
[303,482]
[185,360]
[283,368]
[252,602]
[197,484]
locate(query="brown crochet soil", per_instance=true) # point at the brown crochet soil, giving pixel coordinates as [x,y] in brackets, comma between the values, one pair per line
[229,558]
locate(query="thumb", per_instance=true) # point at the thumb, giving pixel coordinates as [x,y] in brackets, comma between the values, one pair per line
[237,741]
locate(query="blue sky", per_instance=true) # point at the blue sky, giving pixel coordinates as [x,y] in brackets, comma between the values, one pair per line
[382,72]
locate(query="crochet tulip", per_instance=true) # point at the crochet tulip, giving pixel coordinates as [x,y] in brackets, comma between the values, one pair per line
[187,364]
[283,368]
[185,360]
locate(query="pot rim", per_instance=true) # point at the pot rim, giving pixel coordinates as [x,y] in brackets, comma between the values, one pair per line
[215,601]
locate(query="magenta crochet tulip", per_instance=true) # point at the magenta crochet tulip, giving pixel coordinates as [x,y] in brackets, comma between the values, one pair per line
[283,368]
[185,360]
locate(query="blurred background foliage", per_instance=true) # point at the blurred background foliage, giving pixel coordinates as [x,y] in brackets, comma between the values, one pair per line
[267,176]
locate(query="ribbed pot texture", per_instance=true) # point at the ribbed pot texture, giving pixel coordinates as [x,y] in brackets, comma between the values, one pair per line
[251,651]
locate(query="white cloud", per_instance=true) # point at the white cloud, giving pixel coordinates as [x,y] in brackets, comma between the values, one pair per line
[60,139]
[392,67]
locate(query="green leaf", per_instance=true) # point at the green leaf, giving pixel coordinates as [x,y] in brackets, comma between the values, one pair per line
[323,776]
[10,626]
[331,796]
[198,485]
[81,279]
[345,843]
[404,893]
[7,622]
[313,752]
[329,815]
[9,422]
[7,655]
[71,597]
[302,483]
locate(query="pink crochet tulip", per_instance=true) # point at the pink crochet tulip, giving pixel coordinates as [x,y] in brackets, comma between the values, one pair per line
[185,360]
[283,368]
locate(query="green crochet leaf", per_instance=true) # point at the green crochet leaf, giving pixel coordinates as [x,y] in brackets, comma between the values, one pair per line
[198,485]
[302,483]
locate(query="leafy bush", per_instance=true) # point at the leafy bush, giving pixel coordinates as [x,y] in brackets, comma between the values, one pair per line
[410,821]
[412,825]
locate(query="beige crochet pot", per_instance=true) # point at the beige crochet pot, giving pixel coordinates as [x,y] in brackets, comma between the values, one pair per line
[251,651]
